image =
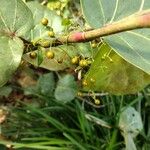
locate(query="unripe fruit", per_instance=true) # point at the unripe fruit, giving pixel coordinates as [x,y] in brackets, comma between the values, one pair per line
[33,55]
[50,54]
[58,5]
[92,80]
[51,33]
[83,63]
[44,21]
[93,45]
[75,60]
[79,94]
[45,43]
[84,83]
[97,101]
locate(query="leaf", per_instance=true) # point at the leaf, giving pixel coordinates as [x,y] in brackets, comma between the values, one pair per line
[133,45]
[46,84]
[15,18]
[113,74]
[5,91]
[10,57]
[39,56]
[15,21]
[39,12]
[66,89]
[64,53]
[98,121]
[130,122]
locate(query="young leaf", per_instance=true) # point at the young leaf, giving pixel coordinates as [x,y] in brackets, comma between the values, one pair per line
[66,89]
[113,74]
[133,45]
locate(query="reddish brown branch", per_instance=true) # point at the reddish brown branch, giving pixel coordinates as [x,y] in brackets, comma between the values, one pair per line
[136,21]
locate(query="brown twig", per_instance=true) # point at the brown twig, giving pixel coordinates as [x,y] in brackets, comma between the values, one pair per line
[135,21]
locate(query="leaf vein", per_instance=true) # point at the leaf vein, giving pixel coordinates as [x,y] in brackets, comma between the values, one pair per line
[3,20]
[133,49]
[15,14]
[115,11]
[102,11]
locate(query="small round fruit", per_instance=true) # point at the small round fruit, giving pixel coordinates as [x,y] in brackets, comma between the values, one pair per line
[33,55]
[50,54]
[93,45]
[83,63]
[79,94]
[92,80]
[97,101]
[58,5]
[44,21]
[51,33]
[75,60]
[84,83]
[45,43]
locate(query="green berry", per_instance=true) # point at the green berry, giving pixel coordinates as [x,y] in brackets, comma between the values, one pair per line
[75,60]
[33,55]
[83,63]
[51,33]
[50,54]
[44,21]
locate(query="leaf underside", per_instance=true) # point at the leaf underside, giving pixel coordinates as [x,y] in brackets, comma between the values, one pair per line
[133,45]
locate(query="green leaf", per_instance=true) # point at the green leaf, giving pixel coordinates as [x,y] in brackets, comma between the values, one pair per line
[64,53]
[10,57]
[66,89]
[5,91]
[15,21]
[113,74]
[46,84]
[39,12]
[133,45]
[15,18]
[39,56]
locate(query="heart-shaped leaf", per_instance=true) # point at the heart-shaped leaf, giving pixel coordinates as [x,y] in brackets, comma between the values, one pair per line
[15,18]
[113,74]
[15,21]
[133,45]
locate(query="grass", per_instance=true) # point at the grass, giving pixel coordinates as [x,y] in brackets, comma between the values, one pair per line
[53,126]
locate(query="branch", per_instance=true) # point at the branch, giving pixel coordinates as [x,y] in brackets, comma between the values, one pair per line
[135,21]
